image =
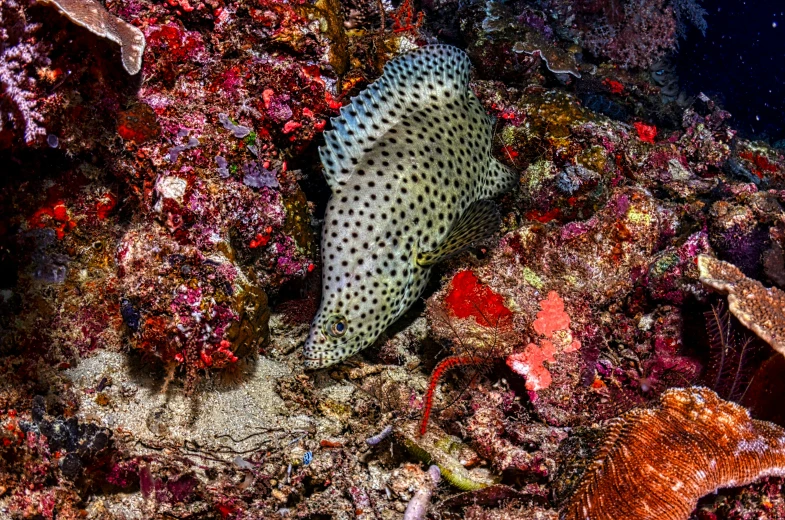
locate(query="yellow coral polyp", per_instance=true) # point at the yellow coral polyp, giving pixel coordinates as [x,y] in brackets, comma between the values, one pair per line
[532,278]
[636,216]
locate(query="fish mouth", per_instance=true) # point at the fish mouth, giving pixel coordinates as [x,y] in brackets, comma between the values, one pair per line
[316,363]
[317,355]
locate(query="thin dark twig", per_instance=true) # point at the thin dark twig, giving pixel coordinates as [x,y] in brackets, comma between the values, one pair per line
[256,434]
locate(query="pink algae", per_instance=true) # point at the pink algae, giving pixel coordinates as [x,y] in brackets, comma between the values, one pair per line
[553,324]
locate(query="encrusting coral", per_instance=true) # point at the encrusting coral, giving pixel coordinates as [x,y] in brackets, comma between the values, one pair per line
[759,309]
[656,463]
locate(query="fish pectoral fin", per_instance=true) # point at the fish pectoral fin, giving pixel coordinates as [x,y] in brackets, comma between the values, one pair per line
[479,222]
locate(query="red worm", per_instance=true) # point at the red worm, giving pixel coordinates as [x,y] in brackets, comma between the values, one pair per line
[444,365]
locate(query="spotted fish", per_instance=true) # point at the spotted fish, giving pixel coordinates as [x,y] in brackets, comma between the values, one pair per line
[410,168]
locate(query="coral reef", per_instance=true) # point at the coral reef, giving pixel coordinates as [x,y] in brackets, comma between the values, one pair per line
[160,267]
[645,32]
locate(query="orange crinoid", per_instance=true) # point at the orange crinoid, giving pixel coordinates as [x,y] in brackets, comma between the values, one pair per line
[656,463]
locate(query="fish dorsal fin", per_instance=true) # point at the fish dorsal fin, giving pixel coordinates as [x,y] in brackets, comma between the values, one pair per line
[480,221]
[431,75]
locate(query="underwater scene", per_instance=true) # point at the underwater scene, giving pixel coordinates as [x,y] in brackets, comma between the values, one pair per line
[392,259]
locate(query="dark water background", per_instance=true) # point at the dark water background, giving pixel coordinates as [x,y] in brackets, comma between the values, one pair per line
[741,62]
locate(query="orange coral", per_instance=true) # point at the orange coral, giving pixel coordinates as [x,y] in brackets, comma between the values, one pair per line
[531,364]
[552,316]
[657,463]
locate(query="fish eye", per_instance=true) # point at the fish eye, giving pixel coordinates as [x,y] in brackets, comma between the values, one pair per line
[336,327]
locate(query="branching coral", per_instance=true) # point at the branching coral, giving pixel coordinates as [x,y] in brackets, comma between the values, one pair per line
[645,33]
[20,54]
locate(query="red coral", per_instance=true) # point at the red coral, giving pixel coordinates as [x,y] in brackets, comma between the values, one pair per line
[405,20]
[468,297]
[760,163]
[646,133]
[105,205]
[546,217]
[56,214]
[615,87]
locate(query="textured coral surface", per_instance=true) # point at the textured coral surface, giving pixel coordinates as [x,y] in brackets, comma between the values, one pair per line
[654,452]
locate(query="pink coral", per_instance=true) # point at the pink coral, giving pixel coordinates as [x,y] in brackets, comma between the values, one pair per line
[645,33]
[553,324]
[19,56]
[552,316]
[531,364]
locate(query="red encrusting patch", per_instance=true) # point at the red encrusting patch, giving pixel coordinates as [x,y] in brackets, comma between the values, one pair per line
[761,164]
[261,239]
[468,297]
[539,216]
[56,214]
[646,133]
[615,87]
[105,205]
[138,124]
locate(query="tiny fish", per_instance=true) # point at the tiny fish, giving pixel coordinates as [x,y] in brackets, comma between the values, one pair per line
[410,168]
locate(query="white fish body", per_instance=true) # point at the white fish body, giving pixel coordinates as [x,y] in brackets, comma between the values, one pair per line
[410,168]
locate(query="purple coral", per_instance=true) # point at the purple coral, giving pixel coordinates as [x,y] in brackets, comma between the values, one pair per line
[644,35]
[19,55]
